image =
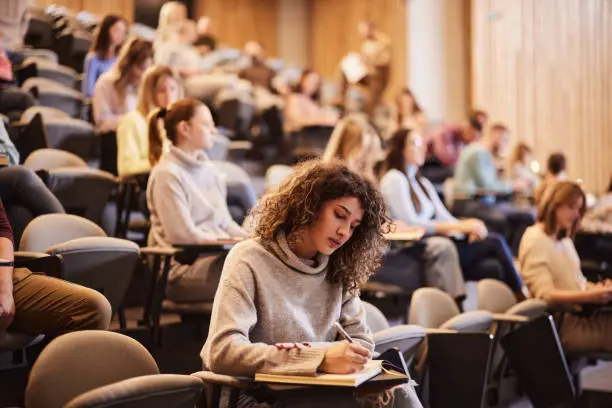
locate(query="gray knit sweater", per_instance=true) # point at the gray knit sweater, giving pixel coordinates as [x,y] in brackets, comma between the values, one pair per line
[267,295]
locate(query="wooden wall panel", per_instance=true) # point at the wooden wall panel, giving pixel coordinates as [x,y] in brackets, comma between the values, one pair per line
[543,68]
[334,33]
[235,22]
[124,8]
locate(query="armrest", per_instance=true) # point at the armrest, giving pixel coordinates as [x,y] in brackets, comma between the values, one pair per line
[405,236]
[404,337]
[223,380]
[508,318]
[190,252]
[432,330]
[50,265]
[159,251]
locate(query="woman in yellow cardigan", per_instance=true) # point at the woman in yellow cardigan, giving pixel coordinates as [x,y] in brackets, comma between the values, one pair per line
[160,87]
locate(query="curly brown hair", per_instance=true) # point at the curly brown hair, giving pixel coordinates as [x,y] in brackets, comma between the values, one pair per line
[296,203]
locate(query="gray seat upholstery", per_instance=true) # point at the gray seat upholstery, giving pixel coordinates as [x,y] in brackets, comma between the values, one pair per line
[101,263]
[276,174]
[151,391]
[51,159]
[49,229]
[54,71]
[47,113]
[496,297]
[15,340]
[405,337]
[78,362]
[81,190]
[56,95]
[73,135]
[240,190]
[90,258]
[435,309]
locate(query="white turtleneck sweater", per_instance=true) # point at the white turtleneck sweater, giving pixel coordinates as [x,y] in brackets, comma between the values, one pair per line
[395,187]
[267,295]
[187,199]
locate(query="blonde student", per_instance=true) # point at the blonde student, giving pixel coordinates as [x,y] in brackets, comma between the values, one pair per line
[187,197]
[317,239]
[550,267]
[160,87]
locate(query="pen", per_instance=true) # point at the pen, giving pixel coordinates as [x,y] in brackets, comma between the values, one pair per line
[343,332]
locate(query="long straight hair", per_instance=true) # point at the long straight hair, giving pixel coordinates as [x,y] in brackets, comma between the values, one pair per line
[560,193]
[101,44]
[179,111]
[135,52]
[395,160]
[146,91]
[416,108]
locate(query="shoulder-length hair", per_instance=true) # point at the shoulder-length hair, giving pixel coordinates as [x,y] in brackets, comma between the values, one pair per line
[135,52]
[395,160]
[519,153]
[299,88]
[102,41]
[296,204]
[560,193]
[146,91]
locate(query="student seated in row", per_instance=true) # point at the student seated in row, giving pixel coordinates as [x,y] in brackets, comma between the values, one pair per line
[412,199]
[108,40]
[116,91]
[431,262]
[187,197]
[550,267]
[317,239]
[159,88]
[38,304]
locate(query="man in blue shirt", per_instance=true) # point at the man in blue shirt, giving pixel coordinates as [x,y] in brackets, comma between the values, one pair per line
[478,183]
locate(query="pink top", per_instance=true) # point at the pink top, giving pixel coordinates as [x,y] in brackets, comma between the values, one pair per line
[445,143]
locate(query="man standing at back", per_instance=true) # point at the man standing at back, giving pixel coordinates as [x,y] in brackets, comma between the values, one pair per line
[376,55]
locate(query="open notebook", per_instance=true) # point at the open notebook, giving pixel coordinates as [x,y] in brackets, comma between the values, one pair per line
[371,369]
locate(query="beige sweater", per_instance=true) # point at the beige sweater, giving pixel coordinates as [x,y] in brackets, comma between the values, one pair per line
[187,199]
[547,264]
[267,295]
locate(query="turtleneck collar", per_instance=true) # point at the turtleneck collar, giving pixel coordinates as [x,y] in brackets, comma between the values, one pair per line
[411,171]
[281,249]
[188,160]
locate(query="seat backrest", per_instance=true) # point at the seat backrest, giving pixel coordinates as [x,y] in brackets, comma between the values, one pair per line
[49,159]
[50,229]
[45,85]
[375,319]
[495,296]
[83,191]
[240,188]
[101,263]
[73,135]
[47,113]
[79,362]
[151,391]
[431,307]
[276,174]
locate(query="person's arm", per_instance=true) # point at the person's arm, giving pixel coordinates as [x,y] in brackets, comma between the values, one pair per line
[296,118]
[89,75]
[443,147]
[353,320]
[104,117]
[396,192]
[24,24]
[7,303]
[229,349]
[537,276]
[484,172]
[440,210]
[171,206]
[131,159]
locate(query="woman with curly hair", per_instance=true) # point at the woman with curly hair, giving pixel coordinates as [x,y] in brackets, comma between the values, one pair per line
[432,261]
[317,239]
